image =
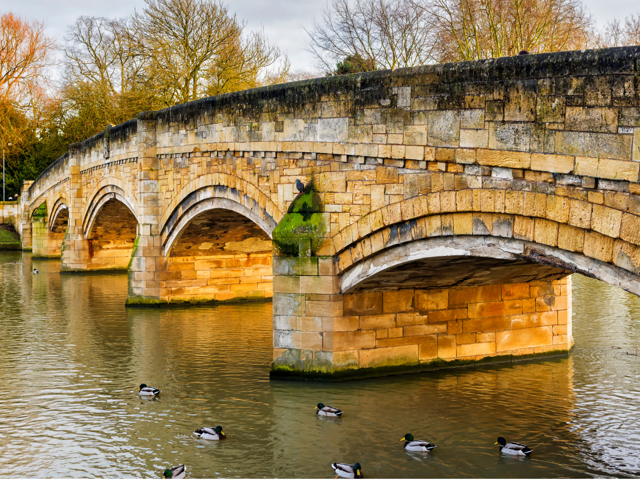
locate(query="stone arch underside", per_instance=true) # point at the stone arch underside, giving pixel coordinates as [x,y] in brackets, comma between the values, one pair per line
[217,250]
[110,228]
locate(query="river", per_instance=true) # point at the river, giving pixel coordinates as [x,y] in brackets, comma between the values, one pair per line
[72,355]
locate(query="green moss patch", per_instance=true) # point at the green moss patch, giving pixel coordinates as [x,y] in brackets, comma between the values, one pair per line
[303,228]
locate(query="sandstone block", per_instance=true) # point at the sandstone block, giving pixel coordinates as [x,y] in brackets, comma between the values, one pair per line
[398,301]
[473,294]
[546,232]
[598,246]
[371,322]
[413,330]
[340,324]
[515,291]
[323,308]
[363,303]
[446,346]
[523,338]
[494,309]
[490,324]
[431,299]
[390,356]
[606,220]
[485,348]
[500,158]
[428,350]
[349,340]
[579,213]
[403,319]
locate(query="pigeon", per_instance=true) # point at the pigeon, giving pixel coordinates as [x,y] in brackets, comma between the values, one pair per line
[299,186]
[35,271]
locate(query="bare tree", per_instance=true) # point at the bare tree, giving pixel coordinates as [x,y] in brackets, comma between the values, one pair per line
[372,34]
[617,34]
[480,29]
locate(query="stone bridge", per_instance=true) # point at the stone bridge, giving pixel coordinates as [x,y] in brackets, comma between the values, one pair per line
[445,208]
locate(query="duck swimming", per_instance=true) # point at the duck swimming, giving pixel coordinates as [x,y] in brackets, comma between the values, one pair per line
[513,448]
[175,472]
[416,445]
[211,433]
[145,390]
[344,470]
[323,410]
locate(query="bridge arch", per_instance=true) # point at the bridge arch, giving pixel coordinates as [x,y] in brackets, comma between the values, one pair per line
[217,247]
[238,189]
[59,218]
[107,190]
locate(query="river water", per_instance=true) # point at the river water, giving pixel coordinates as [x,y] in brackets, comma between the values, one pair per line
[71,356]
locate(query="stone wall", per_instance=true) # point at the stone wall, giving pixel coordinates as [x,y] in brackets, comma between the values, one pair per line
[9,213]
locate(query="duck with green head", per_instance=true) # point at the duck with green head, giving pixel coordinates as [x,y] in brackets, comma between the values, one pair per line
[344,470]
[322,410]
[214,434]
[411,444]
[148,391]
[513,448]
[176,472]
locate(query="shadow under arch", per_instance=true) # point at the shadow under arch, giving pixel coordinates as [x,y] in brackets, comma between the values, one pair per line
[212,198]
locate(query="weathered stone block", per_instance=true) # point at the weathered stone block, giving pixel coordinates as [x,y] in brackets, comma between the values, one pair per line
[523,338]
[551,163]
[363,304]
[398,301]
[499,158]
[431,300]
[495,309]
[375,322]
[391,356]
[349,340]
[444,128]
[483,349]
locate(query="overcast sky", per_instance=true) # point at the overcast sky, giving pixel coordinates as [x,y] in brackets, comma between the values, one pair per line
[282,19]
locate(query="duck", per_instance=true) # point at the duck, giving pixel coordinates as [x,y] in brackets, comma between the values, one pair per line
[145,390]
[322,410]
[411,444]
[211,433]
[513,448]
[175,472]
[344,470]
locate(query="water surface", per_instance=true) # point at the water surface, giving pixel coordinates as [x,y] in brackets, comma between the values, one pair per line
[71,356]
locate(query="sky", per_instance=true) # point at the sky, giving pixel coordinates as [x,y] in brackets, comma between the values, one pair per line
[283,20]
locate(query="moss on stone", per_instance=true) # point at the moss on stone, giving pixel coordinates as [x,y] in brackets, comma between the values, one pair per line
[41,211]
[302,229]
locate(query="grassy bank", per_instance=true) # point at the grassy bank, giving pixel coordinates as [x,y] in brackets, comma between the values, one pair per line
[9,238]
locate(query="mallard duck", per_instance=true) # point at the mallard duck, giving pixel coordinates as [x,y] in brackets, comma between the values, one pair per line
[211,433]
[513,448]
[322,410]
[416,445]
[347,471]
[145,390]
[175,472]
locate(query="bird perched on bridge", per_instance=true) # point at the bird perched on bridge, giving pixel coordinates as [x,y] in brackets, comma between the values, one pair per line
[322,410]
[211,433]
[513,448]
[299,186]
[344,470]
[145,390]
[35,271]
[411,444]
[175,472]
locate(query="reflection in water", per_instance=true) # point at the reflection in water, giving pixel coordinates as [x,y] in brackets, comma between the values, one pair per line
[72,356]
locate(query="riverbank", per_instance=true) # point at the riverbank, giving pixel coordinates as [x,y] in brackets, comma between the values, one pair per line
[9,238]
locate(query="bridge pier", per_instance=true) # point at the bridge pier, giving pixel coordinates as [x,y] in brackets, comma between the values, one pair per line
[322,334]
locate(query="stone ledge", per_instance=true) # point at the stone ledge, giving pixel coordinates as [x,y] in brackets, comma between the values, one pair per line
[283,373]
